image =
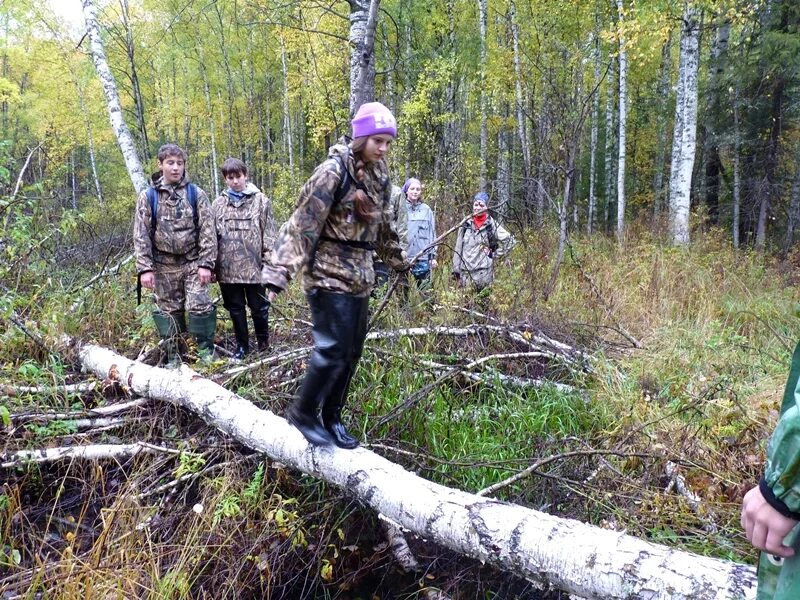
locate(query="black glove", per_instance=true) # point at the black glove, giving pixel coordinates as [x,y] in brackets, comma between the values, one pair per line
[456,276]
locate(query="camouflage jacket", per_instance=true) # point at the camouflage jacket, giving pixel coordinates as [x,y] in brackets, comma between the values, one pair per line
[325,236]
[175,239]
[400,215]
[476,250]
[245,234]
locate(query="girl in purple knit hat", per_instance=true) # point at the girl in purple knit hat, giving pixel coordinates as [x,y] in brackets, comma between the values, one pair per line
[342,215]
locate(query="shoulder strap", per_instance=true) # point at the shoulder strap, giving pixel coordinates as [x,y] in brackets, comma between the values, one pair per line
[152,197]
[191,195]
[492,234]
[344,182]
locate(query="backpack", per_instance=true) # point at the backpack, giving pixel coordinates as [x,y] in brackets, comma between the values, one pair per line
[152,197]
[494,244]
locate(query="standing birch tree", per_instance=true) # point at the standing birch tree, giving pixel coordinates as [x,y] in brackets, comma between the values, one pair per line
[685,133]
[623,120]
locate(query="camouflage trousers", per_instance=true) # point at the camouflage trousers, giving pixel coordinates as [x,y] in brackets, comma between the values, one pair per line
[178,288]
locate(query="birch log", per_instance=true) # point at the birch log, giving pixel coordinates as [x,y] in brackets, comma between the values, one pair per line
[580,559]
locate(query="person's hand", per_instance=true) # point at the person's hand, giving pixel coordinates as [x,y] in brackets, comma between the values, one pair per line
[204,274]
[764,526]
[271,296]
[148,280]
[434,264]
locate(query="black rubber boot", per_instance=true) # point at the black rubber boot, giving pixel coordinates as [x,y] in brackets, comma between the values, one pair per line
[303,415]
[239,319]
[352,311]
[261,326]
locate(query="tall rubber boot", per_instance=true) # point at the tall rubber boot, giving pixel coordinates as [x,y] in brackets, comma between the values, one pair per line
[351,311]
[170,326]
[261,326]
[239,319]
[202,327]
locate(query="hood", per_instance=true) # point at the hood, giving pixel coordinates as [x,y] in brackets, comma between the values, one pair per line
[340,148]
[249,190]
[158,183]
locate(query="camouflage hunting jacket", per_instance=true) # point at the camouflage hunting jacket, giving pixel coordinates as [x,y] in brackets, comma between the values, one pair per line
[175,239]
[324,235]
[245,234]
[477,249]
[400,215]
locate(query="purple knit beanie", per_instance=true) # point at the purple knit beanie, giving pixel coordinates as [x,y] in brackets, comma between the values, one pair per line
[373,118]
[408,183]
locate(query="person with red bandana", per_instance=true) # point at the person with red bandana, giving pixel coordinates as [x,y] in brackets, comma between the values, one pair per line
[481,241]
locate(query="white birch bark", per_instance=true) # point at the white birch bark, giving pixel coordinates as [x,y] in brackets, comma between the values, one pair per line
[580,559]
[609,146]
[363,20]
[737,181]
[623,120]
[683,142]
[124,138]
[483,26]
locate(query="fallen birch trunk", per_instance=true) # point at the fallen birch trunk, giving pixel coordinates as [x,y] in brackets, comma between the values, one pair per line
[580,559]
[91,452]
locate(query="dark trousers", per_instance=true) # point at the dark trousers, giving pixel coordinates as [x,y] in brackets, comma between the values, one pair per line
[236,297]
[340,327]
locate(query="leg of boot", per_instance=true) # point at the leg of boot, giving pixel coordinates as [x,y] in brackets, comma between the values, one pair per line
[327,367]
[202,327]
[239,319]
[234,300]
[259,310]
[169,331]
[353,311]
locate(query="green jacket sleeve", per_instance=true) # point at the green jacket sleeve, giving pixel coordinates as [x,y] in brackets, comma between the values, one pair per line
[780,485]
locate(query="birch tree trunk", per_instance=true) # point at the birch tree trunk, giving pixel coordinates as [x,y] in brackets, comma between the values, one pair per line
[737,181]
[609,147]
[124,138]
[623,120]
[450,133]
[363,20]
[683,142]
[581,559]
[90,141]
[212,129]
[483,26]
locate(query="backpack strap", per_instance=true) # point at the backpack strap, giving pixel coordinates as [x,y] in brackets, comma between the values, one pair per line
[492,235]
[191,196]
[152,198]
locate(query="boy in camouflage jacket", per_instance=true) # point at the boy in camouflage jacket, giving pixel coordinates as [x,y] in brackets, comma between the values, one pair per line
[175,252]
[245,234]
[344,212]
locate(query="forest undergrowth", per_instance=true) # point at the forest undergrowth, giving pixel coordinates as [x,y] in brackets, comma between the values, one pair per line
[666,368]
